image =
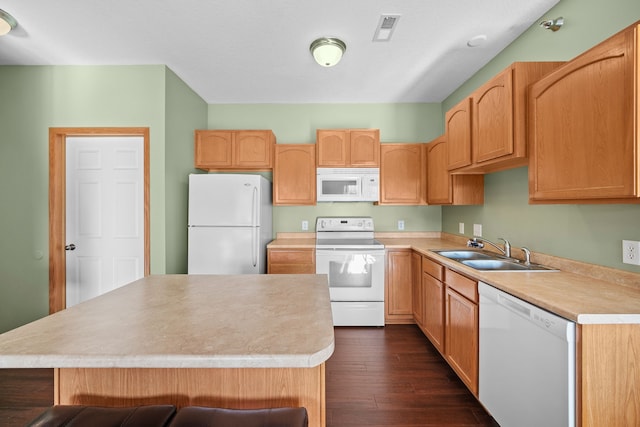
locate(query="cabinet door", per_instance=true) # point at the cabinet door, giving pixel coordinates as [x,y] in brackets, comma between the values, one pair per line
[492,106]
[417,299]
[294,175]
[438,177]
[583,127]
[461,338]
[291,261]
[399,308]
[364,148]
[331,146]
[446,189]
[253,149]
[401,174]
[213,149]
[433,295]
[458,132]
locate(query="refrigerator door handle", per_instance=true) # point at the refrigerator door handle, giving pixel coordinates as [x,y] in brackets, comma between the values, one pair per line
[254,220]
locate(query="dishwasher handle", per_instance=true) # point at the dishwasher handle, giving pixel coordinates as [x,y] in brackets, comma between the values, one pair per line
[513,305]
[557,325]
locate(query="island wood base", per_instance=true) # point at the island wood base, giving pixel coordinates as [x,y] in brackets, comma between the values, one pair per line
[240,388]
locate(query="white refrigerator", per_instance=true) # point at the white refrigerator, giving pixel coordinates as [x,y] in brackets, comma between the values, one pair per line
[230,223]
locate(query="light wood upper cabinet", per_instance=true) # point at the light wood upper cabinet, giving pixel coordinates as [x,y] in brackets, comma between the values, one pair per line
[398,289]
[458,134]
[493,120]
[294,174]
[234,149]
[402,174]
[348,148]
[487,130]
[443,188]
[583,127]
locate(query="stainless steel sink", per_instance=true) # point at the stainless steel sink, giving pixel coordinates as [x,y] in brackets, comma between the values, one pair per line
[503,265]
[487,261]
[462,254]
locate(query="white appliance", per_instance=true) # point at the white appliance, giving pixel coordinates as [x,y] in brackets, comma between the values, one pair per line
[230,223]
[348,184]
[353,260]
[527,369]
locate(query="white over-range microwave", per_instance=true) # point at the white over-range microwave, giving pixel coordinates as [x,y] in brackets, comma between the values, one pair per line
[348,184]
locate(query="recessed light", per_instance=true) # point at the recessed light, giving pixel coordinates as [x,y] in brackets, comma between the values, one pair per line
[477,40]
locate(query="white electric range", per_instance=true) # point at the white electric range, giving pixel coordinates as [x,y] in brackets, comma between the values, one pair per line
[354,261]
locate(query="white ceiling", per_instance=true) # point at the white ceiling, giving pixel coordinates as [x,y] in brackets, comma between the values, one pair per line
[257,51]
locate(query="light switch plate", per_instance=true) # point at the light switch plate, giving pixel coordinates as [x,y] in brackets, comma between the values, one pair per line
[461,227]
[631,252]
[477,230]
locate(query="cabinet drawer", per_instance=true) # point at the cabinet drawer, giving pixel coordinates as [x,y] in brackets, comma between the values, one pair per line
[297,256]
[432,268]
[292,269]
[462,284]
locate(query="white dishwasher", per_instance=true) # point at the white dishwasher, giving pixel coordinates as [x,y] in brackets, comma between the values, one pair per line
[527,368]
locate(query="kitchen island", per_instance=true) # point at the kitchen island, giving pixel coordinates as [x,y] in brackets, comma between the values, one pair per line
[246,341]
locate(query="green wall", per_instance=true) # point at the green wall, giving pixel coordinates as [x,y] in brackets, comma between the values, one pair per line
[590,233]
[298,124]
[40,97]
[152,96]
[185,111]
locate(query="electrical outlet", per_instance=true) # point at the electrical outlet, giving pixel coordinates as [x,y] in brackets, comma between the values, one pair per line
[461,227]
[400,224]
[305,225]
[477,230]
[631,252]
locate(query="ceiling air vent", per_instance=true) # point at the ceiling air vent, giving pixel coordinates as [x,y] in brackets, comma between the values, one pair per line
[386,25]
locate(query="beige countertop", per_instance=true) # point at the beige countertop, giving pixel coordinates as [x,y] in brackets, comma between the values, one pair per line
[185,321]
[583,293]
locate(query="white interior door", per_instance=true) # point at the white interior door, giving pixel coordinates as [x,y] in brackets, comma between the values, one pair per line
[104,214]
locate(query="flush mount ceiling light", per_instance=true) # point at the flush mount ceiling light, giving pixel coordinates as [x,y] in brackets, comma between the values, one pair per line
[327,51]
[553,24]
[7,22]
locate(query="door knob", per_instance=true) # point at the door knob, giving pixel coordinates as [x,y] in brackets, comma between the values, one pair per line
[70,247]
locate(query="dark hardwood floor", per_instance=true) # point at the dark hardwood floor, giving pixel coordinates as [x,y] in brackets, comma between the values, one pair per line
[24,393]
[389,376]
[393,376]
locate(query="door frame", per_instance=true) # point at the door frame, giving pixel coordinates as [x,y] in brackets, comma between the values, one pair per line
[57,203]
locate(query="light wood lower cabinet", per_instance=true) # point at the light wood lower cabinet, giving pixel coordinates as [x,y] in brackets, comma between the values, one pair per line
[449,318]
[398,287]
[461,327]
[608,376]
[291,261]
[433,292]
[417,300]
